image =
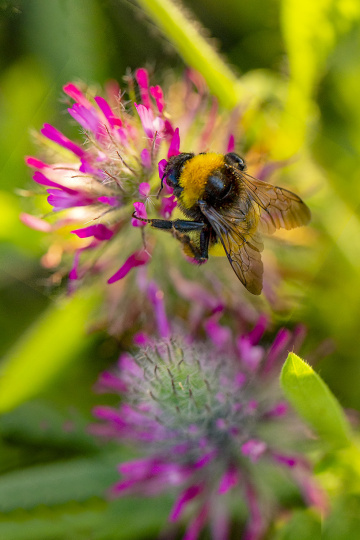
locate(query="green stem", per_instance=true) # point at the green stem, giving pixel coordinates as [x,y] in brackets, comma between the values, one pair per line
[196,51]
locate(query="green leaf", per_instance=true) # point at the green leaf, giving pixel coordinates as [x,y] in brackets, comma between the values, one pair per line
[57,483]
[121,519]
[50,344]
[314,402]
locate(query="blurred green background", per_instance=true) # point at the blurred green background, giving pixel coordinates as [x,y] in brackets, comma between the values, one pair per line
[302,61]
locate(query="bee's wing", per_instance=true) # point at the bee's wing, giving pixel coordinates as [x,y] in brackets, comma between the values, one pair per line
[241,245]
[264,209]
[277,207]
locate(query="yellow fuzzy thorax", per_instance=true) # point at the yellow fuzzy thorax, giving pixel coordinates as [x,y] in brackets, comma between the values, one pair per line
[194,176]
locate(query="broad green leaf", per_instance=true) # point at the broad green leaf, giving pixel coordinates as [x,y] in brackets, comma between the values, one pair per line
[53,341]
[57,483]
[42,425]
[194,48]
[122,519]
[314,402]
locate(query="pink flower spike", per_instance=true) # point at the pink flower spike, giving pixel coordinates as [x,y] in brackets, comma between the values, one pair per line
[73,274]
[35,223]
[141,339]
[219,335]
[54,135]
[142,77]
[35,163]
[253,449]
[144,189]
[146,158]
[250,355]
[158,95]
[194,529]
[278,346]
[98,231]
[150,124]
[87,118]
[76,94]
[138,258]
[174,148]
[41,179]
[187,495]
[161,167]
[167,206]
[289,461]
[156,297]
[140,211]
[107,111]
[111,201]
[229,480]
[279,410]
[231,144]
[257,332]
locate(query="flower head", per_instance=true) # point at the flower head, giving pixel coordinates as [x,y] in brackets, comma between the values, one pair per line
[103,189]
[210,429]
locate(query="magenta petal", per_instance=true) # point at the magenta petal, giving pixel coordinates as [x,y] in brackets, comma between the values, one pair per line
[111,201]
[140,211]
[289,461]
[258,331]
[87,118]
[168,204]
[194,529]
[136,259]
[41,179]
[73,274]
[158,95]
[161,167]
[35,163]
[144,189]
[111,383]
[107,111]
[174,147]
[229,480]
[35,223]
[250,355]
[278,346]
[231,144]
[157,299]
[98,231]
[146,158]
[187,495]
[76,94]
[280,409]
[142,78]
[253,449]
[219,335]
[54,135]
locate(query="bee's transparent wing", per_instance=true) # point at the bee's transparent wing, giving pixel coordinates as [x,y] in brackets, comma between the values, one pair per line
[277,207]
[263,209]
[241,245]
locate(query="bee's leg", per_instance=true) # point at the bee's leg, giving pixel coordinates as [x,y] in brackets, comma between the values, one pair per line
[199,252]
[181,225]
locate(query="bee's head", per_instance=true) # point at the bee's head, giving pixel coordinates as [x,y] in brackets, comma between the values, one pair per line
[174,168]
[234,160]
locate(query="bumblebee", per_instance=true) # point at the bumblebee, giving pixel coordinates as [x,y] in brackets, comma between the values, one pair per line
[224,205]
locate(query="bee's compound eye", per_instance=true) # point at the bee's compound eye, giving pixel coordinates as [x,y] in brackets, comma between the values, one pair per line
[236,161]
